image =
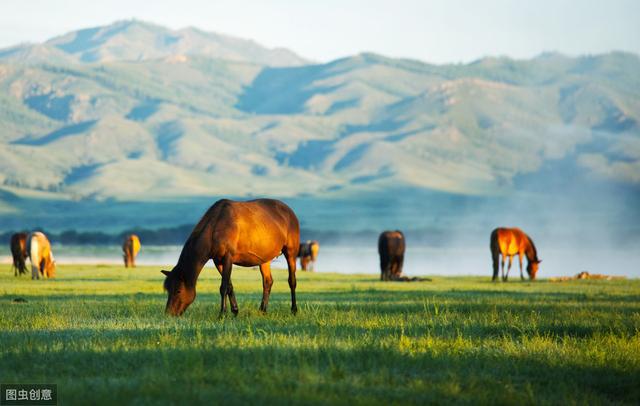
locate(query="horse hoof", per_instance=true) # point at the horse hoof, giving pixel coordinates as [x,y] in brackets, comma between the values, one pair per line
[294,310]
[234,311]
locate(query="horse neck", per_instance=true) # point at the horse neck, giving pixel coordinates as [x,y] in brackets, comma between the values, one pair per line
[532,254]
[192,259]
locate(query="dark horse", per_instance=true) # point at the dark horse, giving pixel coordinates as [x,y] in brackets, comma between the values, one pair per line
[19,252]
[509,242]
[308,253]
[235,233]
[391,247]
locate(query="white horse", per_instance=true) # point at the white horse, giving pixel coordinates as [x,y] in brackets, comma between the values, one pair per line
[40,255]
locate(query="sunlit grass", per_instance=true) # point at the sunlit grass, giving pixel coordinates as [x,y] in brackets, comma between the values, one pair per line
[99,332]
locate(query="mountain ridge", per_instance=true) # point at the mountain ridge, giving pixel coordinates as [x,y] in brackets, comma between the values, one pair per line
[136,40]
[172,125]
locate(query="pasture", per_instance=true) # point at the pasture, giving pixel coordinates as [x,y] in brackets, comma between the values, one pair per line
[99,332]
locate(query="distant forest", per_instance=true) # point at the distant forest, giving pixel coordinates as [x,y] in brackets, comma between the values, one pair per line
[178,235]
[161,236]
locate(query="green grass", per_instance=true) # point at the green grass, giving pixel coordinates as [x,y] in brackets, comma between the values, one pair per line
[99,332]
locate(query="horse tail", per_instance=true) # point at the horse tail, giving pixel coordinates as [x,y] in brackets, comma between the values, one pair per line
[494,245]
[34,255]
[21,264]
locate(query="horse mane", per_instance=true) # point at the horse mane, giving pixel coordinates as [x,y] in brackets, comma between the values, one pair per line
[182,269]
[199,228]
[533,247]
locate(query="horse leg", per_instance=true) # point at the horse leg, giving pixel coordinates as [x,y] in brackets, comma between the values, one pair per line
[226,281]
[400,265]
[289,253]
[395,266]
[509,268]
[520,260]
[385,266]
[34,271]
[267,282]
[386,271]
[496,259]
[502,269]
[232,294]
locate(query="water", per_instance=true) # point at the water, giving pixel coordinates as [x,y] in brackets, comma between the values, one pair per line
[364,260]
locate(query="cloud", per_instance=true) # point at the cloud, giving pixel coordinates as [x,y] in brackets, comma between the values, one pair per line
[625,171]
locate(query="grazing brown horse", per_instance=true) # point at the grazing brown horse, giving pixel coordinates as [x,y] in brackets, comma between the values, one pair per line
[130,249]
[19,253]
[391,245]
[40,255]
[509,242]
[235,233]
[308,253]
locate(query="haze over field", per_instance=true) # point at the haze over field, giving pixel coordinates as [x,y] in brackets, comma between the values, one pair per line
[135,124]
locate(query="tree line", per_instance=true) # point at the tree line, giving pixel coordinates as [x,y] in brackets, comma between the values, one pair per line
[178,235]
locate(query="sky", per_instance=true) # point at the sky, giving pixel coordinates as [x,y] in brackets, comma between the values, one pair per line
[437,31]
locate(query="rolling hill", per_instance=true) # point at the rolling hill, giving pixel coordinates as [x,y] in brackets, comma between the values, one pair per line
[135,112]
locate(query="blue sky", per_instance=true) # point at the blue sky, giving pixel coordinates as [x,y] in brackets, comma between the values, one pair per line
[435,31]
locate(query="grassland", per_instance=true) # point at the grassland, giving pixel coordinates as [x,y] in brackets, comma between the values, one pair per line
[99,333]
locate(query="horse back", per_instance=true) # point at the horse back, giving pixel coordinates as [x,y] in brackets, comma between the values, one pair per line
[315,250]
[131,245]
[391,244]
[259,228]
[19,245]
[508,241]
[309,249]
[136,244]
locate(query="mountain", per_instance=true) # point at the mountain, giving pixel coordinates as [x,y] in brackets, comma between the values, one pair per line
[134,112]
[134,40]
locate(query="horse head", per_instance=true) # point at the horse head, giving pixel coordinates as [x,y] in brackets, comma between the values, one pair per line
[50,266]
[532,268]
[180,295]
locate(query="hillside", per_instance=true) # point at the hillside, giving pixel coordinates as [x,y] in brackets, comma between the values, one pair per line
[137,112]
[134,40]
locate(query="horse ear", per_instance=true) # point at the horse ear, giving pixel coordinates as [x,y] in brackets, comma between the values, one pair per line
[166,273]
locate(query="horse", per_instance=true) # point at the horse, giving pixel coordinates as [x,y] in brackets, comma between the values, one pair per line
[391,246]
[19,253]
[509,242]
[130,249]
[40,255]
[308,253]
[250,233]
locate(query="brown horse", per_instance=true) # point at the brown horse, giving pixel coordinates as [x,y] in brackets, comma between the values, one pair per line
[308,253]
[509,242]
[19,253]
[130,249]
[40,255]
[235,233]
[391,245]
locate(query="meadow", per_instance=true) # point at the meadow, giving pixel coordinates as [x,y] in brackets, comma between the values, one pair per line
[99,332]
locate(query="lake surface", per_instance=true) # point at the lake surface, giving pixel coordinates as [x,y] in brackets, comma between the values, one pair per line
[364,260]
